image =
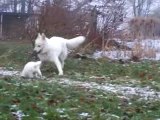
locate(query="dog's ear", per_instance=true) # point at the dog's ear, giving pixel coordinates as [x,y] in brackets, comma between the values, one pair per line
[43,36]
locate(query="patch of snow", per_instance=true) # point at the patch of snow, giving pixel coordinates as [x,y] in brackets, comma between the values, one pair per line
[18,114]
[64,116]
[145,93]
[148,44]
[83,114]
[113,54]
[44,113]
[5,72]
[61,110]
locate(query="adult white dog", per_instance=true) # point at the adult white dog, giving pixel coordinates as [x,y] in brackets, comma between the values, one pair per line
[55,49]
[32,70]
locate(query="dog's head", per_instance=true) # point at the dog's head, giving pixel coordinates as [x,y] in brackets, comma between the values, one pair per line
[40,43]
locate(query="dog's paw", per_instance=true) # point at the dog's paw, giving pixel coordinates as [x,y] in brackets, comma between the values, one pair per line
[43,77]
[60,74]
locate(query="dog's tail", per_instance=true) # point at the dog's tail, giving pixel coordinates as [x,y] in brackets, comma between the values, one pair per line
[75,42]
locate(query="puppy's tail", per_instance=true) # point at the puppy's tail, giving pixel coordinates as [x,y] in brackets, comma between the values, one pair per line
[75,42]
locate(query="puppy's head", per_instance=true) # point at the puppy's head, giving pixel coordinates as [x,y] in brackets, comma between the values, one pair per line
[39,43]
[38,64]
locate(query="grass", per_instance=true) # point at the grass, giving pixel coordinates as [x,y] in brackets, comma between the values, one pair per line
[52,101]
[14,54]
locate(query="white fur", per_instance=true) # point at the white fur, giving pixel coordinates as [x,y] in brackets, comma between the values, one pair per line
[55,49]
[32,70]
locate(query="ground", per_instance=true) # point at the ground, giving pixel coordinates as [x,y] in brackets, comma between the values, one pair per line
[89,90]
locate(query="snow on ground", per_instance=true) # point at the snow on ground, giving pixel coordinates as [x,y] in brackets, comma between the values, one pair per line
[19,114]
[113,54]
[6,72]
[146,45]
[127,91]
[121,90]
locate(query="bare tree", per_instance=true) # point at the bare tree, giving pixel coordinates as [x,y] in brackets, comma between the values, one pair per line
[29,7]
[141,7]
[111,15]
[5,5]
[148,7]
[23,6]
[156,12]
[15,5]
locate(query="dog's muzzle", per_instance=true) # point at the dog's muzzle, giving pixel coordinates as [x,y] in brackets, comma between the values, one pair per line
[36,53]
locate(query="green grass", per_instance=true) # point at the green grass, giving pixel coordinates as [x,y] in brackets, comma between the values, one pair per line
[53,101]
[13,54]
[34,98]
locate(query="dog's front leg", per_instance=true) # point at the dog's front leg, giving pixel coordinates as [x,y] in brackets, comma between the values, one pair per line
[58,65]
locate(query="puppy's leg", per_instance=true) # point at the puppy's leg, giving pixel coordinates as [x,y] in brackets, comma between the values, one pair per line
[39,74]
[58,65]
[30,74]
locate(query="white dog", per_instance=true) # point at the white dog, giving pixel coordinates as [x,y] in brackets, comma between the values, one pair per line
[32,70]
[55,49]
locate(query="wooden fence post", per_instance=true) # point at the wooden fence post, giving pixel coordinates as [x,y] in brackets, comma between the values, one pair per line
[1,26]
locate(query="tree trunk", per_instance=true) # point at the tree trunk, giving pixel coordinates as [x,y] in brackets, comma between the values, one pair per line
[48,2]
[30,8]
[93,22]
[15,6]
[134,8]
[23,6]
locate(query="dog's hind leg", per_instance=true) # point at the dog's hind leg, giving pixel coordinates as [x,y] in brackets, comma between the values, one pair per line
[58,65]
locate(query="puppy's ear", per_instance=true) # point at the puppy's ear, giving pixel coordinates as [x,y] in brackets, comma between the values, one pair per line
[43,36]
[39,34]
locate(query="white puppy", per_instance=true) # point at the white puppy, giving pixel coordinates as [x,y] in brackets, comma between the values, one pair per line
[55,49]
[32,70]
